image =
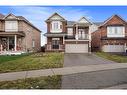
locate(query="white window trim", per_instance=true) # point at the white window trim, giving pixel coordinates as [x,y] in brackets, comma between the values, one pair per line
[111,31]
[70,31]
[11,26]
[54,29]
[83,35]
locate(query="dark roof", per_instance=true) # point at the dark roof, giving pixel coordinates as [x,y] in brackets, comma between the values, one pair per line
[1,16]
[98,23]
[23,18]
[70,23]
[20,18]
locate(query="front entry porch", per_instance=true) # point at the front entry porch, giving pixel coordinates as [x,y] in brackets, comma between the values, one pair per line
[55,44]
[50,47]
[10,43]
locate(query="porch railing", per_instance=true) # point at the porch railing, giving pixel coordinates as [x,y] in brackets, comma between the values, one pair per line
[80,37]
[50,47]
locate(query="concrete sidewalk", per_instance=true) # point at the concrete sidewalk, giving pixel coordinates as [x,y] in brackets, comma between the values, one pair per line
[60,71]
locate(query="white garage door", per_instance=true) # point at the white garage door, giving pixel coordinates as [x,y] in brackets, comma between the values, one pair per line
[76,48]
[113,48]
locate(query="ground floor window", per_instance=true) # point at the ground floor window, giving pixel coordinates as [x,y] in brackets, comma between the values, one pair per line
[33,43]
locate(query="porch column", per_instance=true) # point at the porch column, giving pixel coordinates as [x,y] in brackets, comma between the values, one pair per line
[89,37]
[125,47]
[76,32]
[8,43]
[63,39]
[15,43]
[1,47]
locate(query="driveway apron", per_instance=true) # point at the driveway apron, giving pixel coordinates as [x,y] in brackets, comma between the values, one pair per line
[83,59]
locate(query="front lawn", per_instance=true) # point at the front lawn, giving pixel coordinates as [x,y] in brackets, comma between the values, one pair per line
[30,62]
[50,82]
[113,57]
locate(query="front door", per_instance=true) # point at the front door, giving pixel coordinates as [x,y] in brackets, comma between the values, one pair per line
[11,43]
[55,43]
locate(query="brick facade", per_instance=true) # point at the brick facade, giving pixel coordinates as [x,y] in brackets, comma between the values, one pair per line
[99,37]
[30,32]
[79,33]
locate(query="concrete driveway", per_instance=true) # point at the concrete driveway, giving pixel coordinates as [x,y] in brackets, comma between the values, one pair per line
[90,79]
[83,59]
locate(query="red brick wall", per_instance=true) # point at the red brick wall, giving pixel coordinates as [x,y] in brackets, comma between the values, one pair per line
[64,29]
[114,21]
[96,40]
[49,40]
[48,26]
[102,32]
[64,24]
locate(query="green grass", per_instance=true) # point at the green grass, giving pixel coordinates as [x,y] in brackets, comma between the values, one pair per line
[5,58]
[50,82]
[30,62]
[113,57]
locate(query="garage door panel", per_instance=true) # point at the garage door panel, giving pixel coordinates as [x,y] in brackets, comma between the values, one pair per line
[76,48]
[113,48]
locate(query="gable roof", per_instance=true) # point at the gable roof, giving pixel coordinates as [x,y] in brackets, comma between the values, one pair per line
[10,15]
[106,21]
[54,15]
[3,17]
[85,20]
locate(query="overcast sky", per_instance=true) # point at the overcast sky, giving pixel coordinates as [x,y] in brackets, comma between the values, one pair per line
[38,14]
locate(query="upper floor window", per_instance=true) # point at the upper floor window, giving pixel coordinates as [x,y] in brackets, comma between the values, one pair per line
[115,31]
[11,26]
[81,34]
[56,26]
[70,31]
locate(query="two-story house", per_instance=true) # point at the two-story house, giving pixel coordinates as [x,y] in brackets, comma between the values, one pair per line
[111,36]
[18,34]
[68,36]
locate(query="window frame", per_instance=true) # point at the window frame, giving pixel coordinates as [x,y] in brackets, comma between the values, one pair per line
[115,31]
[70,33]
[11,26]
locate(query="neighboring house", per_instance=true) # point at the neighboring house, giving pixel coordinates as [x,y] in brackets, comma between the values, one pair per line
[111,36]
[18,34]
[69,36]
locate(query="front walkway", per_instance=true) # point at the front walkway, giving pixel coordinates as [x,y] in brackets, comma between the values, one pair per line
[60,71]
